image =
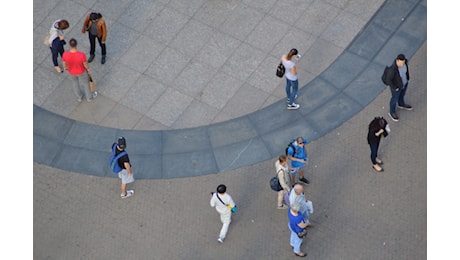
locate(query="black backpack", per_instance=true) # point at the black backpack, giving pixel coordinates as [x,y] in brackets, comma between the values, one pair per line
[385,75]
[293,147]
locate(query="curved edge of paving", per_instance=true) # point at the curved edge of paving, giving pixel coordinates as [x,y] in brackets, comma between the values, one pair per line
[350,83]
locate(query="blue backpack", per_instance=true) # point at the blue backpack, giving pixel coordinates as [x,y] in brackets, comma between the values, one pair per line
[113,161]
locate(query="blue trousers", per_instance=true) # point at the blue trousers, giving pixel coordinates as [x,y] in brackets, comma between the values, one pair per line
[397,97]
[294,84]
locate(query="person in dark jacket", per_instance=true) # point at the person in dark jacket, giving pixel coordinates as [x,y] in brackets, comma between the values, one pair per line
[377,127]
[398,79]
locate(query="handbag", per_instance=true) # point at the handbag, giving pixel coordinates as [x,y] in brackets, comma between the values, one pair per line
[275,183]
[280,70]
[92,84]
[46,41]
[302,233]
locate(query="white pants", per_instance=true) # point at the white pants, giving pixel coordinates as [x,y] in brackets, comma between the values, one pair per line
[225,218]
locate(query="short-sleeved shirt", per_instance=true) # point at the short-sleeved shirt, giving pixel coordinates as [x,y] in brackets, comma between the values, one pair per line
[123,159]
[74,62]
[299,154]
[294,221]
[289,65]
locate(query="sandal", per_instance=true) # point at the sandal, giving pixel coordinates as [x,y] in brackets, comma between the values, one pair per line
[379,161]
[58,69]
[377,168]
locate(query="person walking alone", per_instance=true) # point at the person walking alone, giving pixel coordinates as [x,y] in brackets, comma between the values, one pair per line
[223,203]
[292,82]
[94,24]
[75,63]
[126,174]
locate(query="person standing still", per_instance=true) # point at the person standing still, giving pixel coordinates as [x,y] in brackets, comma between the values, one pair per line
[377,127]
[284,178]
[298,156]
[399,81]
[292,82]
[94,24]
[305,206]
[56,41]
[221,200]
[126,174]
[296,224]
[75,63]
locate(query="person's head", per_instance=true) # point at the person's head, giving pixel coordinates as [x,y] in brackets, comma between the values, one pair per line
[73,43]
[221,189]
[292,53]
[301,141]
[121,142]
[295,206]
[298,189]
[400,60]
[282,159]
[95,16]
[63,24]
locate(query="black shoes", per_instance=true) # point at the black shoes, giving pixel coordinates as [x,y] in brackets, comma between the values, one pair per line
[406,107]
[304,180]
[394,117]
[91,58]
[103,59]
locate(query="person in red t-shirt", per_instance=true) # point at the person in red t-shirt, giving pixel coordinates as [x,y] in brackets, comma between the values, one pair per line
[75,63]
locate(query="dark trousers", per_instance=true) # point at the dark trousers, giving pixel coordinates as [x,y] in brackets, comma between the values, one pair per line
[397,97]
[374,151]
[57,48]
[92,42]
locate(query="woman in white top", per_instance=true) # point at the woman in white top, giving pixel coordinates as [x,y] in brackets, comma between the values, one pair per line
[291,77]
[56,41]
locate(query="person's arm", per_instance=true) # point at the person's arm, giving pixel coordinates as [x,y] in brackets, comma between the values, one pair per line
[85,25]
[302,224]
[379,132]
[128,168]
[104,30]
[65,65]
[294,68]
[86,65]
[282,180]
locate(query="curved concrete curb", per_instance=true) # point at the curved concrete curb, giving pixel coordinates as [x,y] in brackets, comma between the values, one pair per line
[350,83]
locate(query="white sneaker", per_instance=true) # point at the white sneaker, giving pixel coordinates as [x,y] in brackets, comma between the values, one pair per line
[129,193]
[293,106]
[220,240]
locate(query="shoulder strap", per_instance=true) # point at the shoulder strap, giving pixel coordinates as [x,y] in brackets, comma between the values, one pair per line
[119,155]
[217,194]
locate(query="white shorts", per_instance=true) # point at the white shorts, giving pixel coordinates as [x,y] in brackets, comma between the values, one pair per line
[125,177]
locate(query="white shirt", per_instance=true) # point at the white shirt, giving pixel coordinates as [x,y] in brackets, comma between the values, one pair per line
[289,65]
[220,207]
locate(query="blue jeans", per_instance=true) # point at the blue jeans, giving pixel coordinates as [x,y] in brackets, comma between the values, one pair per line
[374,150]
[291,93]
[397,97]
[295,241]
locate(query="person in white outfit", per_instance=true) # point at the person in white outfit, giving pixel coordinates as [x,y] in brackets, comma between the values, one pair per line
[223,204]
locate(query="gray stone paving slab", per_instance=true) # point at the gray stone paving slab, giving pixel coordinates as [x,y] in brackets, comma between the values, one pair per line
[345,69]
